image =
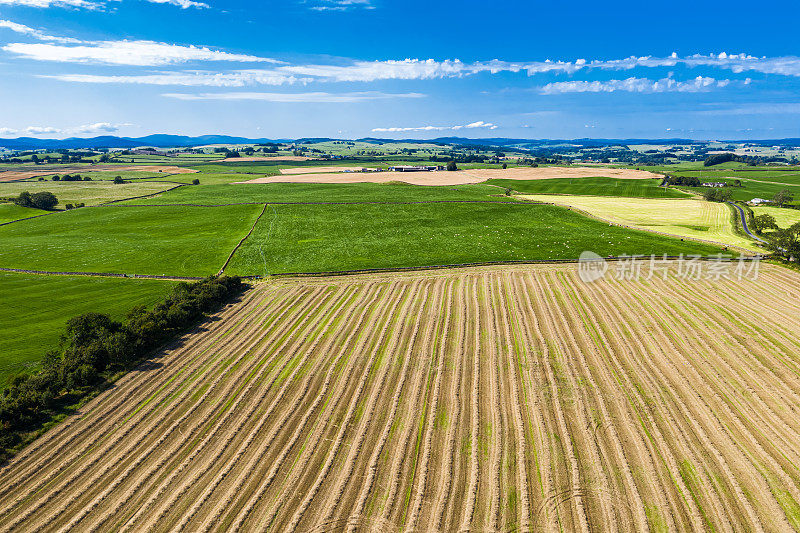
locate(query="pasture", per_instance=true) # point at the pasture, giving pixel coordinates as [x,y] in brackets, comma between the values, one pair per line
[620,187]
[686,218]
[511,399]
[36,308]
[313,238]
[165,240]
[12,212]
[322,193]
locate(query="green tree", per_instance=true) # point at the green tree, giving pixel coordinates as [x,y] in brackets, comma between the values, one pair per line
[118,180]
[24,199]
[44,200]
[195,181]
[786,242]
[783,197]
[451,166]
[764,222]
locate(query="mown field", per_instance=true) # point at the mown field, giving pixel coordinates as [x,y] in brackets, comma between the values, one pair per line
[311,238]
[685,218]
[509,399]
[626,188]
[36,308]
[783,217]
[87,192]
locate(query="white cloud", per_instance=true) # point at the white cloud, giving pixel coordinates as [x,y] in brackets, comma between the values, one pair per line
[238,78]
[96,128]
[341,5]
[52,3]
[416,69]
[183,4]
[635,85]
[311,97]
[131,53]
[40,130]
[473,125]
[33,32]
[789,108]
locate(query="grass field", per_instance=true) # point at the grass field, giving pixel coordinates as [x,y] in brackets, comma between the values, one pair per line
[88,192]
[11,212]
[692,218]
[323,192]
[783,217]
[489,400]
[591,187]
[177,241]
[304,238]
[36,308]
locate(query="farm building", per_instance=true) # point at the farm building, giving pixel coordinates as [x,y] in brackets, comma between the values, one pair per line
[758,201]
[714,184]
[409,168]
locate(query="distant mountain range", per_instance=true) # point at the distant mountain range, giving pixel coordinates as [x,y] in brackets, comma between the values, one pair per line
[183,141]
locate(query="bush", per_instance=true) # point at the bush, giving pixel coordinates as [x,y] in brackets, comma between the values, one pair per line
[87,178]
[55,178]
[118,180]
[69,206]
[451,166]
[195,181]
[39,200]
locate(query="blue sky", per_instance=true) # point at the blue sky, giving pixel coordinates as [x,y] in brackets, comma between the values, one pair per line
[401,69]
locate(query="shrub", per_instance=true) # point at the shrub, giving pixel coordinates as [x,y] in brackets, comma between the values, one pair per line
[118,180]
[55,178]
[69,206]
[451,166]
[195,181]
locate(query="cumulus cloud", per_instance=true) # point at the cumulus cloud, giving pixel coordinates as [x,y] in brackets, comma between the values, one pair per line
[635,85]
[33,32]
[130,53]
[310,97]
[473,125]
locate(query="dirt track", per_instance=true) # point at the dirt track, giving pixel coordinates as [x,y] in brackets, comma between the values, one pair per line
[490,399]
[15,175]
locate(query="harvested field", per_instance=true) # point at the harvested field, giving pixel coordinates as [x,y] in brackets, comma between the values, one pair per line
[544,173]
[486,400]
[681,217]
[15,175]
[267,158]
[413,178]
[318,170]
[317,175]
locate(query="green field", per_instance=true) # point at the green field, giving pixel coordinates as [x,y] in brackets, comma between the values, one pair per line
[88,192]
[176,241]
[302,238]
[591,187]
[35,309]
[752,189]
[323,192]
[783,217]
[11,212]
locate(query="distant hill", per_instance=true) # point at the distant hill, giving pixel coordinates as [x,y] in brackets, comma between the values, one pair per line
[183,141]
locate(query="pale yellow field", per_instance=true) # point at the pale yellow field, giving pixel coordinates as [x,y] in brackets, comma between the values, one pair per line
[783,217]
[689,218]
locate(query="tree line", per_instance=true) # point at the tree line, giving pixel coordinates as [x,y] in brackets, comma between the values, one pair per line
[94,346]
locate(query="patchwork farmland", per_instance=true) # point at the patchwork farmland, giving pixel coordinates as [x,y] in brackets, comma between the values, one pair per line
[485,399]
